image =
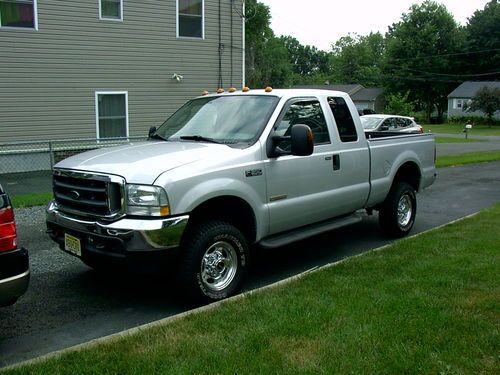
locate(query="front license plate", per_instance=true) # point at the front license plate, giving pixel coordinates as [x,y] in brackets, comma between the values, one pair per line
[72,244]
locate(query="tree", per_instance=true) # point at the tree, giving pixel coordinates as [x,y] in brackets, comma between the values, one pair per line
[399,104]
[306,60]
[266,57]
[486,100]
[483,42]
[357,59]
[420,55]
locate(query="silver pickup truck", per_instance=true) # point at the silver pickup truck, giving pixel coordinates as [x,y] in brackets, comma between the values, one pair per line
[233,170]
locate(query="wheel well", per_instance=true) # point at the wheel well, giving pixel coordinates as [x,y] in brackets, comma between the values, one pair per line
[409,173]
[230,209]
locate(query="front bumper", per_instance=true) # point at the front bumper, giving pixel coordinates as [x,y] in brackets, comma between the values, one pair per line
[126,238]
[14,275]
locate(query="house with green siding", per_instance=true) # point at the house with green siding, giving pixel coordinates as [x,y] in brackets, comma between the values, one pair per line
[111,68]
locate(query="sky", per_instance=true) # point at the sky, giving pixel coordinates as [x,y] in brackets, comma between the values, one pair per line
[320,23]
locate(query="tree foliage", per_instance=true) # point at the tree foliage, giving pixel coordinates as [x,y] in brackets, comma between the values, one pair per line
[483,42]
[486,100]
[306,60]
[357,59]
[420,60]
[419,55]
[266,57]
[400,104]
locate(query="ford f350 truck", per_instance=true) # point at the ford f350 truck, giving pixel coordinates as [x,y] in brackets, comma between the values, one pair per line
[229,171]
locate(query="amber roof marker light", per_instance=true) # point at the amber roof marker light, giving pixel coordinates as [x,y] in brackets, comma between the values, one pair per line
[268,89]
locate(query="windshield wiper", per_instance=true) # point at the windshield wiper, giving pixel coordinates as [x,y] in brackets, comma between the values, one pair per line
[199,138]
[157,136]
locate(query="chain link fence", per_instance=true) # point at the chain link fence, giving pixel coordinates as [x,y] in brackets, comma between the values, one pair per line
[20,157]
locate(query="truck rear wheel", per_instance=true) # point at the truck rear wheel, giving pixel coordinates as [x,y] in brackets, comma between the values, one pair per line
[397,214]
[213,261]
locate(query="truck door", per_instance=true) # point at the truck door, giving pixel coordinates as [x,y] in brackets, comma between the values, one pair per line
[334,180]
[351,171]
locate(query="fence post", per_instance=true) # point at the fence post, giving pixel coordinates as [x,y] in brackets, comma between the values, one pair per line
[51,155]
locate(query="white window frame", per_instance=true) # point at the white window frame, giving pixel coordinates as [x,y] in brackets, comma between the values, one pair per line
[35,20]
[459,103]
[104,18]
[97,93]
[202,22]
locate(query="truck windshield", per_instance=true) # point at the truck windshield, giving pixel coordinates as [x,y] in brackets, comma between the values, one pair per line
[220,119]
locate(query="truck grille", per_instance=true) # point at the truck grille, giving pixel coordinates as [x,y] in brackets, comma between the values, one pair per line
[88,194]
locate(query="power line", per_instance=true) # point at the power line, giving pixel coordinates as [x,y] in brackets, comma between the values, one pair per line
[448,54]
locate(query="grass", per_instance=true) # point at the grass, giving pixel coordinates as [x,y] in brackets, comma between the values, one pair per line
[455,140]
[29,200]
[469,158]
[425,305]
[484,130]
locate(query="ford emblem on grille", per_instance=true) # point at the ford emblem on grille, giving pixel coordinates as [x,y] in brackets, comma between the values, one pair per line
[73,194]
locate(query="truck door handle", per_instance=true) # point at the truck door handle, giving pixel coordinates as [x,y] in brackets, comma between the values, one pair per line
[336,162]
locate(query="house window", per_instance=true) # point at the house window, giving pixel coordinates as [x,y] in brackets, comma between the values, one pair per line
[190,18]
[18,13]
[112,114]
[459,103]
[111,10]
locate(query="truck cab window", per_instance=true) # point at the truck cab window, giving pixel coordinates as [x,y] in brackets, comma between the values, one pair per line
[343,119]
[306,112]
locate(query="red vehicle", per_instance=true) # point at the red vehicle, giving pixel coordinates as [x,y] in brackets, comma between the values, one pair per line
[14,262]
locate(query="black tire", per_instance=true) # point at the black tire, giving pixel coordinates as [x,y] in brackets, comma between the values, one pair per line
[397,214]
[213,261]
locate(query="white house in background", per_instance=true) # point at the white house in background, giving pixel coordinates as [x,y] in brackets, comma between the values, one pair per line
[465,92]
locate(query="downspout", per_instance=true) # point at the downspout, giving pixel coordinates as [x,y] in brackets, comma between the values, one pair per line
[221,46]
[243,44]
[232,45]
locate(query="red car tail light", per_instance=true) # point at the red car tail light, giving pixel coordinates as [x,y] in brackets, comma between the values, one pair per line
[8,233]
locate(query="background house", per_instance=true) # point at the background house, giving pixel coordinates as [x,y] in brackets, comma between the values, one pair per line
[364,98]
[111,68]
[105,69]
[465,92]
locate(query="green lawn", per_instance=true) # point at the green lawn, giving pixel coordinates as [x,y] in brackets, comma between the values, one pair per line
[424,305]
[455,140]
[469,158]
[28,200]
[458,129]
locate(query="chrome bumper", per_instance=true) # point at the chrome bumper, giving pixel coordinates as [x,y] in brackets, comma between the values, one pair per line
[130,235]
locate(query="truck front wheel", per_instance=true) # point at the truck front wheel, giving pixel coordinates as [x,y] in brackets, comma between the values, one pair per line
[213,261]
[397,214]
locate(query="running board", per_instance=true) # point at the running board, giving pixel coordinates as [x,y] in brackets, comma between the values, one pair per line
[301,233]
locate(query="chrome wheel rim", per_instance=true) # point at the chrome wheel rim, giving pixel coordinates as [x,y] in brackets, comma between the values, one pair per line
[405,210]
[219,265]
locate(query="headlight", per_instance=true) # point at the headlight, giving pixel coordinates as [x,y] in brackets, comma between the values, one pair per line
[147,200]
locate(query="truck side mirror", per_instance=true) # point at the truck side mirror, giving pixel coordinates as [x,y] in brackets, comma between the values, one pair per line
[152,131]
[300,140]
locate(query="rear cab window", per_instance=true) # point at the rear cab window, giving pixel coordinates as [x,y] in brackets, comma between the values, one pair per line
[343,119]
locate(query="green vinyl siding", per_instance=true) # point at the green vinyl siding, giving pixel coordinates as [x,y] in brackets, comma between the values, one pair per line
[49,77]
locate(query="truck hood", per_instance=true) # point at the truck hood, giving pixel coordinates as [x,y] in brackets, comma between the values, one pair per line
[143,162]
